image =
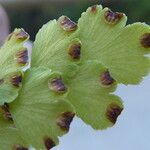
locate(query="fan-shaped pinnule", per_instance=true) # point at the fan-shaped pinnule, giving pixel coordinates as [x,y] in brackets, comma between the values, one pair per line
[14,56]
[106,38]
[90,92]
[55,46]
[41,113]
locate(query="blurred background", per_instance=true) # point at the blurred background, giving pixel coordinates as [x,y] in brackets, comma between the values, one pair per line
[32,14]
[132,131]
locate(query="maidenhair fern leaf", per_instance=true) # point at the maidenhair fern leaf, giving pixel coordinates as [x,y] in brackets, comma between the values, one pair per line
[14,56]
[73,67]
[56,48]
[40,112]
[9,135]
[120,48]
[90,93]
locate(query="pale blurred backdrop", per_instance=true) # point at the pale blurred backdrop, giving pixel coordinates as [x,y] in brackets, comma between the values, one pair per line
[132,131]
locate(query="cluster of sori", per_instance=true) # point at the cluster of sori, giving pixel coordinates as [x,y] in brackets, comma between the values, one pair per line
[75,69]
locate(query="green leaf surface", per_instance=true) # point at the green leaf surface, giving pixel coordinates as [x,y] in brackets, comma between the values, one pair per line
[92,100]
[51,48]
[7,93]
[9,135]
[13,58]
[116,46]
[10,138]
[40,114]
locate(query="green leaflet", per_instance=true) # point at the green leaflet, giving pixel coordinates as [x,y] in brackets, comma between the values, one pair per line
[92,100]
[51,48]
[40,114]
[105,38]
[9,135]
[13,58]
